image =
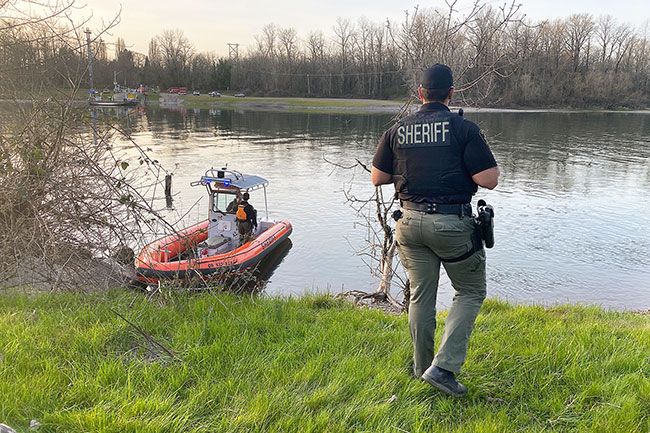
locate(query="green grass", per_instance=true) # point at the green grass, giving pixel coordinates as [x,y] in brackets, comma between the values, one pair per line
[312,364]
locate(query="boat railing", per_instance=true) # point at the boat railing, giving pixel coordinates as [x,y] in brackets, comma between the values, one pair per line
[227,180]
[221,173]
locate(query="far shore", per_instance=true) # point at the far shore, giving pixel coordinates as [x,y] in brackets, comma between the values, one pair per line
[334,105]
[352,106]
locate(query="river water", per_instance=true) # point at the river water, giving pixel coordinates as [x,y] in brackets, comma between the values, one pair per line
[572,207]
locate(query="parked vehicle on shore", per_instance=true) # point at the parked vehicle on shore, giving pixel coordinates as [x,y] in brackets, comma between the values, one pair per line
[215,94]
[196,93]
[239,95]
[178,90]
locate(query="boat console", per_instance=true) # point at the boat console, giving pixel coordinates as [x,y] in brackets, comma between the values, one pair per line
[225,188]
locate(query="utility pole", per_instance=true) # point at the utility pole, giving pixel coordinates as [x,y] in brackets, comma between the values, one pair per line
[90,60]
[308,86]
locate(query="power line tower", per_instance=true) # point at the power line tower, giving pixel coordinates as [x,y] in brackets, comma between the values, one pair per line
[233,57]
[233,51]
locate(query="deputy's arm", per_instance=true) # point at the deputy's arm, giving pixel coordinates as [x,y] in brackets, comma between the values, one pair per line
[378,177]
[487,178]
[384,160]
[479,159]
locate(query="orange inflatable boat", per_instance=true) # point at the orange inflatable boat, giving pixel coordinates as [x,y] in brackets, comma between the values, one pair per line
[217,244]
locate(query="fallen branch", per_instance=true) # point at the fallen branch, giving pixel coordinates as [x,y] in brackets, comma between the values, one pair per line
[147,336]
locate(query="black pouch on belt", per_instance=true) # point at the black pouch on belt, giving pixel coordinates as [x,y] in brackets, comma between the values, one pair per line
[485,222]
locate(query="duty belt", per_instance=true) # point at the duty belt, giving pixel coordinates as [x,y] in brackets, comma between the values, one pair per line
[441,208]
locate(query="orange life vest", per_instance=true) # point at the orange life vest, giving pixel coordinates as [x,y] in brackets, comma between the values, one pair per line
[241,213]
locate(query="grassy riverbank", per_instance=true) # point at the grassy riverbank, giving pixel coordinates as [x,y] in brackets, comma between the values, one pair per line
[312,364]
[310,105]
[342,105]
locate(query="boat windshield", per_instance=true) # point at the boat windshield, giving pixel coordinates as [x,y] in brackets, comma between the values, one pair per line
[224,202]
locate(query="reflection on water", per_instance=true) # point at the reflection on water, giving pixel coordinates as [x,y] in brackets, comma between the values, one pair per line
[267,267]
[571,210]
[575,208]
[252,280]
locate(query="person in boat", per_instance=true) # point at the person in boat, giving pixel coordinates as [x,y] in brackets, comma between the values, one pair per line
[246,218]
[232,206]
[437,160]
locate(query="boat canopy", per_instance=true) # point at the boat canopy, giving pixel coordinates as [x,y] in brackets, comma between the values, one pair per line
[229,179]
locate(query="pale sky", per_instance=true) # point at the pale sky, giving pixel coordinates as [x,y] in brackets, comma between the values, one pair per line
[211,24]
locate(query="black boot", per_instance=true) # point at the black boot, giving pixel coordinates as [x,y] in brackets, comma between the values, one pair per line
[444,380]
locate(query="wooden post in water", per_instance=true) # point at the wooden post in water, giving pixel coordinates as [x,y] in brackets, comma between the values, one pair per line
[168,190]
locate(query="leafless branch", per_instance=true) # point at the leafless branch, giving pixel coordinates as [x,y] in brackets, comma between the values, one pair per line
[147,336]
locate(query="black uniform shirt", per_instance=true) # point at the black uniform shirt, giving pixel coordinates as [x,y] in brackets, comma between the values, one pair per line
[251,213]
[476,157]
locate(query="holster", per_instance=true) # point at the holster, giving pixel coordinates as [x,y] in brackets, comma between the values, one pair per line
[485,223]
[483,231]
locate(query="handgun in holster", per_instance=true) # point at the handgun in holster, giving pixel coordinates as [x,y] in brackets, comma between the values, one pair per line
[485,223]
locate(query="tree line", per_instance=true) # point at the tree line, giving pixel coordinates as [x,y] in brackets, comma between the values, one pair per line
[499,57]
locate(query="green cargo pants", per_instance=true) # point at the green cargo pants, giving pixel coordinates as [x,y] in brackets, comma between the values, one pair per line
[423,239]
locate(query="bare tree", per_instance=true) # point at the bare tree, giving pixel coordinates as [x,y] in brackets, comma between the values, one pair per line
[68,198]
[316,46]
[622,44]
[267,42]
[344,31]
[345,40]
[288,43]
[604,34]
[120,47]
[176,52]
[579,29]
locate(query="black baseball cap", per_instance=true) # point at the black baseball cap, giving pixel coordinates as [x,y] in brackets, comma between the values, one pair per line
[437,77]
